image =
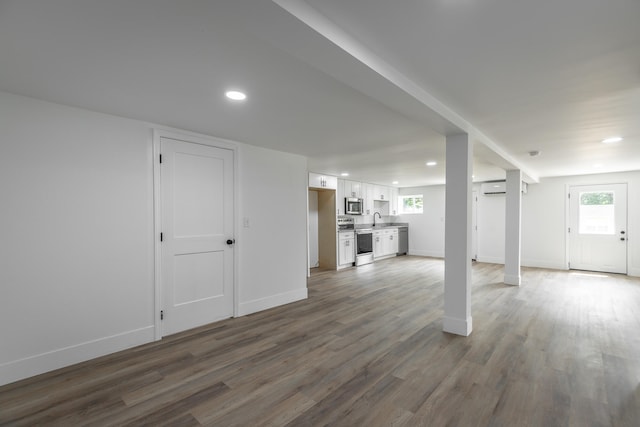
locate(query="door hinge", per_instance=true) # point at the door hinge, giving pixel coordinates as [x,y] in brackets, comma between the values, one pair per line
[161,314]
[568,195]
[569,230]
[160,158]
[161,237]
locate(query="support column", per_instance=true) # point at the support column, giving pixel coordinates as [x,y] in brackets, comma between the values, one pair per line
[513,214]
[457,251]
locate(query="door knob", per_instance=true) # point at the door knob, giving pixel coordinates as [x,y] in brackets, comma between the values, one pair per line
[231,241]
[622,238]
[622,232]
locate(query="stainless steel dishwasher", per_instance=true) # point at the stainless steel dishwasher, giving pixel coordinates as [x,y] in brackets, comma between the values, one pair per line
[403,240]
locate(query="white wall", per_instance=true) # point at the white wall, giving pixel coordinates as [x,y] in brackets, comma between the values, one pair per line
[273,250]
[77,239]
[76,259]
[491,214]
[426,230]
[543,221]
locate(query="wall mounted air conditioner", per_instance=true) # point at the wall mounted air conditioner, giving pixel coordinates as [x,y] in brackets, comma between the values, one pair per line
[495,187]
[500,187]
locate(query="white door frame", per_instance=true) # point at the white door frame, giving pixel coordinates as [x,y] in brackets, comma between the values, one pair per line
[474,224]
[195,138]
[567,220]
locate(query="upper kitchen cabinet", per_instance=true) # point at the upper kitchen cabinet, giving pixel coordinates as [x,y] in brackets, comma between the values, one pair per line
[367,194]
[393,201]
[381,192]
[326,182]
[353,189]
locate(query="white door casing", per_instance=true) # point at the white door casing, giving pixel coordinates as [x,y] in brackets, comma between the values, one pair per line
[597,233]
[474,225]
[314,258]
[196,216]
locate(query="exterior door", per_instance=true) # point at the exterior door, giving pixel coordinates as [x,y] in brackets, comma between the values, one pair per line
[598,227]
[197,220]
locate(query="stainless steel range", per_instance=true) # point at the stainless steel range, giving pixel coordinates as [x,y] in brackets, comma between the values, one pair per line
[364,246]
[345,223]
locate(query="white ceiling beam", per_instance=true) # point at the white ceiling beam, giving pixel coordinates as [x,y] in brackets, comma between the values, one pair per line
[454,122]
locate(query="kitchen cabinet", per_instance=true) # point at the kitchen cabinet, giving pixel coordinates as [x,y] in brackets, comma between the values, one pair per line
[393,201]
[327,182]
[380,192]
[385,242]
[353,189]
[366,190]
[346,189]
[391,242]
[346,248]
[378,242]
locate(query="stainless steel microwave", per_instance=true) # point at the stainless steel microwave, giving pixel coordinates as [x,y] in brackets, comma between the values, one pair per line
[353,206]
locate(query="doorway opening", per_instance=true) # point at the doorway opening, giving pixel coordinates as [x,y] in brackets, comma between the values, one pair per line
[322,230]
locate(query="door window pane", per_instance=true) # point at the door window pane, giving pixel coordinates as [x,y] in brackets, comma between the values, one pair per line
[596,214]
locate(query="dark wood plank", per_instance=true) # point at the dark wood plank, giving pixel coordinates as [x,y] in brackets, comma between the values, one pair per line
[367,348]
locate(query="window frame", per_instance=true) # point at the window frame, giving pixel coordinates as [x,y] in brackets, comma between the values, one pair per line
[401,199]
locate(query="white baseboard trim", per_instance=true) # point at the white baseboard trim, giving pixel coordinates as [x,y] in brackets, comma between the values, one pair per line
[634,272]
[271,301]
[430,254]
[536,263]
[512,279]
[490,260]
[457,326]
[34,365]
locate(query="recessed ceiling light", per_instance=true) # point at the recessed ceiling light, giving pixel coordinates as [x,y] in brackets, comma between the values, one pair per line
[236,95]
[612,140]
[431,163]
[344,174]
[395,182]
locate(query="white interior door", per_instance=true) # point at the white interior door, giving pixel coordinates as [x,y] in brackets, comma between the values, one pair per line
[197,221]
[598,228]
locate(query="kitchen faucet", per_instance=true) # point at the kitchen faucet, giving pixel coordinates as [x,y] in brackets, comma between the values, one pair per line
[374,217]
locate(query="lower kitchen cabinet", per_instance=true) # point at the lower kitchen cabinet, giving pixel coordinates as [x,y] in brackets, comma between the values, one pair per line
[392,242]
[385,243]
[378,242]
[346,249]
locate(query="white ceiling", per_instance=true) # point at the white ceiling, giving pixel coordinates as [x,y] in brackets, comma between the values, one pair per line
[371,89]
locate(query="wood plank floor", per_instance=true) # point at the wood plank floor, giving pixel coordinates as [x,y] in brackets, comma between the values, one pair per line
[366,349]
